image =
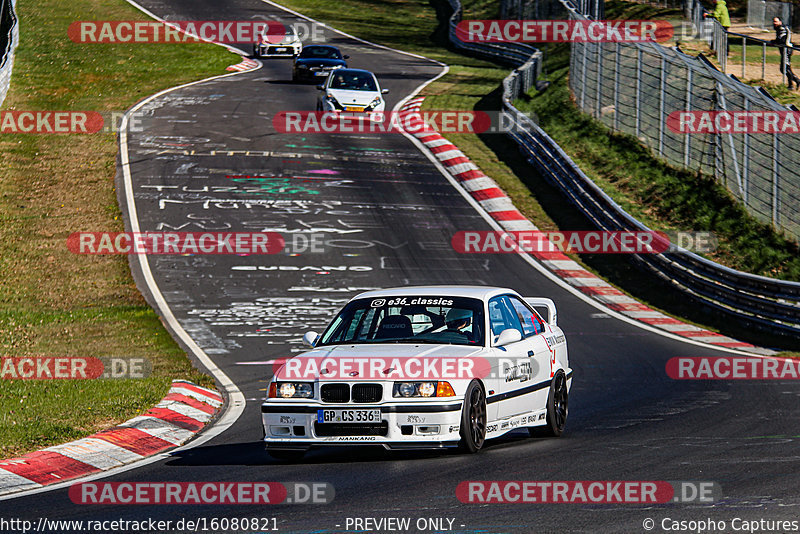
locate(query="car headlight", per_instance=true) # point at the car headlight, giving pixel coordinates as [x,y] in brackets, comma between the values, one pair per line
[291,390]
[337,67]
[375,102]
[335,103]
[302,66]
[423,389]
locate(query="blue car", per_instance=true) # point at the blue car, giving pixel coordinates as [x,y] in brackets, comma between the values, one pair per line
[315,62]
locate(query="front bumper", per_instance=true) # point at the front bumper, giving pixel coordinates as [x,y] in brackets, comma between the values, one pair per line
[276,50]
[406,425]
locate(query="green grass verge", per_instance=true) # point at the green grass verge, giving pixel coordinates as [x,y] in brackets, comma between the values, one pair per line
[52,302]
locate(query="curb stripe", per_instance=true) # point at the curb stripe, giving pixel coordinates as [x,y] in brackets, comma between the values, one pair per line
[98,453]
[47,467]
[177,418]
[189,401]
[135,441]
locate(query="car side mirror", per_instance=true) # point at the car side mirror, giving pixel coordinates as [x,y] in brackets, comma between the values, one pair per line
[310,338]
[384,91]
[320,88]
[346,56]
[507,337]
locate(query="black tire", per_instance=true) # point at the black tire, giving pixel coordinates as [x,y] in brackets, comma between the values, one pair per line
[288,455]
[473,419]
[557,408]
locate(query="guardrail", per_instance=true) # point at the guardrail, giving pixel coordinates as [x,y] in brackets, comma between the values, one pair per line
[9,37]
[760,302]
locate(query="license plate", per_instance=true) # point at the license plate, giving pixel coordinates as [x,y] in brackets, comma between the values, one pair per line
[321,73]
[349,416]
[354,108]
[281,49]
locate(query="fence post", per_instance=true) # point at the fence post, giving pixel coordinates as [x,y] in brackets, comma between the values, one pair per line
[583,75]
[775,166]
[616,85]
[744,55]
[638,86]
[746,160]
[662,91]
[599,91]
[687,140]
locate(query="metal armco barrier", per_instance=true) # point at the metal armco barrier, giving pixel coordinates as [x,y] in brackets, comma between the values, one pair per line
[9,37]
[760,302]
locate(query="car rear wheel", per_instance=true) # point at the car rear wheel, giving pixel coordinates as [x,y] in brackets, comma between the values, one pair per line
[473,419]
[557,408]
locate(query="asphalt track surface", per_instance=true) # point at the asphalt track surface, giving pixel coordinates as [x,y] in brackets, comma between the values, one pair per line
[387,215]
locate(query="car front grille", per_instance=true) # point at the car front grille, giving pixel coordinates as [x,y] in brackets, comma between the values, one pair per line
[335,392]
[367,392]
[351,429]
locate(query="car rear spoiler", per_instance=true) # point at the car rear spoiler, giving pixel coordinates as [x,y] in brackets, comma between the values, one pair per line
[552,314]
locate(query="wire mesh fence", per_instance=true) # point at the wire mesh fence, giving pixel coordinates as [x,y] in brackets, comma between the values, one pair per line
[761,12]
[634,87]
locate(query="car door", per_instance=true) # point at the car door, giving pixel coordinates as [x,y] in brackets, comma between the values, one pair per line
[512,370]
[543,356]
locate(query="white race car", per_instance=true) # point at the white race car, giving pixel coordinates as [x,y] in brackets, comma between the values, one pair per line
[422,367]
[278,41]
[351,90]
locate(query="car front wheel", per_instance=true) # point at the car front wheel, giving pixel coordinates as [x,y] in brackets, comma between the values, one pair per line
[473,418]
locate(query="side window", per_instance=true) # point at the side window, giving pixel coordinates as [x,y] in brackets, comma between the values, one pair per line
[531,323]
[502,316]
[496,317]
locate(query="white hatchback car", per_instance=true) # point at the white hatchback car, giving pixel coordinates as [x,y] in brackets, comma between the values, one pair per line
[423,367]
[351,90]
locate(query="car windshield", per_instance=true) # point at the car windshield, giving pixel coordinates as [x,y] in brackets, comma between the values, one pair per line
[414,319]
[320,52]
[354,81]
[278,32]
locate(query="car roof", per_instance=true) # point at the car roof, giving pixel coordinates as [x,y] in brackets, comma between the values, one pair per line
[323,46]
[354,70]
[476,292]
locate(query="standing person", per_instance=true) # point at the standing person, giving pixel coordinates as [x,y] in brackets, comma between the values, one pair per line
[782,39]
[721,14]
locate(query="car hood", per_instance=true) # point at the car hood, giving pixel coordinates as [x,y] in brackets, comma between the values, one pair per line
[312,62]
[279,39]
[387,353]
[349,97]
